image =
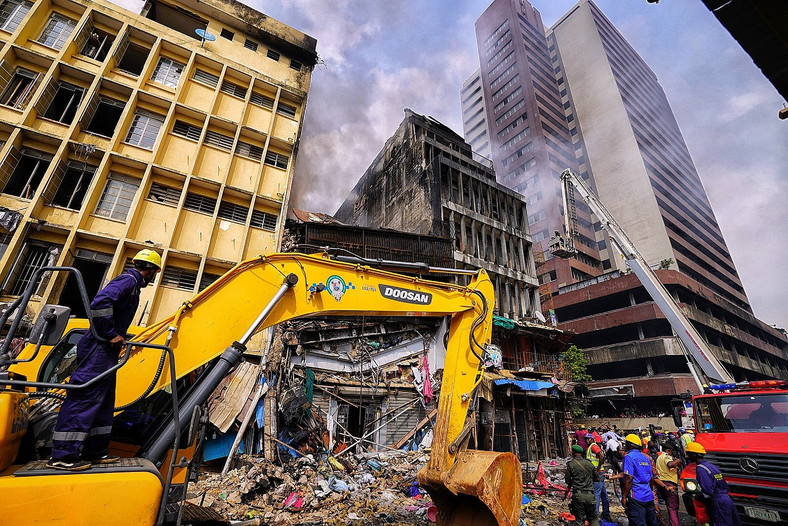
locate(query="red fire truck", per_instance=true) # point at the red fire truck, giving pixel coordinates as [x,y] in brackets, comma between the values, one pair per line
[744,429]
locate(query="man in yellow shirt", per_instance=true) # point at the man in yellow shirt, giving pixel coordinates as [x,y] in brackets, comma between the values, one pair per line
[668,487]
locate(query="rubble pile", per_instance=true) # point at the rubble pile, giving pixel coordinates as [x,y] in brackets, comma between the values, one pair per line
[367,489]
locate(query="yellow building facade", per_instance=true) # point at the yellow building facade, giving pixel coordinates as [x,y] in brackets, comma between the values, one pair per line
[121,131]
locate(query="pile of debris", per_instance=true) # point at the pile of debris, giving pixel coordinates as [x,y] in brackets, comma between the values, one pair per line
[369,488]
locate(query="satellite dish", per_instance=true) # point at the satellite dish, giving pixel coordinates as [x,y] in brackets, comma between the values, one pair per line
[204,35]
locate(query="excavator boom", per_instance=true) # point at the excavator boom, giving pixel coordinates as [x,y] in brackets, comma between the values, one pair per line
[468,486]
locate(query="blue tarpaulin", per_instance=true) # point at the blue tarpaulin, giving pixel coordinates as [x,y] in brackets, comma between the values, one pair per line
[525,385]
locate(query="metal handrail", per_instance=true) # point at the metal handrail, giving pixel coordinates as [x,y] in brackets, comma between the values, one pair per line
[22,301]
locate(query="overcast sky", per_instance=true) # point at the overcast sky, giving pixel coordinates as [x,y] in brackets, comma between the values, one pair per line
[380,57]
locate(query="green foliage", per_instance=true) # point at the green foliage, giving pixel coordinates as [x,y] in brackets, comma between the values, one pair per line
[575,362]
[665,264]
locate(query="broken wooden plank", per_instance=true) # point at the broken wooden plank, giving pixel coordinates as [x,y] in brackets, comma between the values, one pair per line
[410,434]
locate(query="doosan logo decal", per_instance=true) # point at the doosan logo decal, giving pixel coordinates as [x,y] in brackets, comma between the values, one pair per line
[405,295]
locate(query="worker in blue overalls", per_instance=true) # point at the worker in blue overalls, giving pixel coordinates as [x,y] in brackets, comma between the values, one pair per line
[84,423]
[714,489]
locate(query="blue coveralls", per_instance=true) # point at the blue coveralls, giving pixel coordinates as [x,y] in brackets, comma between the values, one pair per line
[719,505]
[86,414]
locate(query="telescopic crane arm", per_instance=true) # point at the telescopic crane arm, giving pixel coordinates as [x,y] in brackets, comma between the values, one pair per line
[689,336]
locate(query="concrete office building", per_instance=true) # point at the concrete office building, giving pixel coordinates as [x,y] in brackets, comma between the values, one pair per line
[529,134]
[629,143]
[425,181]
[126,130]
[628,140]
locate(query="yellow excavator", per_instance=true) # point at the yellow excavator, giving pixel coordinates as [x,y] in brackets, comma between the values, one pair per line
[173,366]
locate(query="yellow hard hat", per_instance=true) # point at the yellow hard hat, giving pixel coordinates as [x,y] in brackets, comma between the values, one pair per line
[148,256]
[694,447]
[632,438]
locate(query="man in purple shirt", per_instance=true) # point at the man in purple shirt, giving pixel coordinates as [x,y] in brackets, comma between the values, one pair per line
[638,495]
[84,424]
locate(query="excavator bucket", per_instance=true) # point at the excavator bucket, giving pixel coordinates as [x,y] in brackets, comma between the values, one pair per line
[482,488]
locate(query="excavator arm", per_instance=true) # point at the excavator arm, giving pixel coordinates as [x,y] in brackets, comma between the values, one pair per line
[467,486]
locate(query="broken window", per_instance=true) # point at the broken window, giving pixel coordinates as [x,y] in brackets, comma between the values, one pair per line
[250,44]
[19,89]
[276,159]
[97,44]
[164,194]
[61,101]
[103,114]
[226,33]
[12,12]
[296,65]
[34,255]
[29,169]
[118,194]
[273,55]
[176,17]
[233,212]
[167,72]
[130,57]
[144,129]
[70,183]
[57,31]
[264,220]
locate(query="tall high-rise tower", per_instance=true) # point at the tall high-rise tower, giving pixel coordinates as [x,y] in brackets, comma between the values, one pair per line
[627,139]
[529,134]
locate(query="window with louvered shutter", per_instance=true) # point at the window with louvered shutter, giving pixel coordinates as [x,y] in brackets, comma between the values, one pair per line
[259,99]
[263,220]
[178,277]
[199,203]
[286,110]
[233,212]
[249,150]
[184,129]
[206,78]
[234,89]
[225,142]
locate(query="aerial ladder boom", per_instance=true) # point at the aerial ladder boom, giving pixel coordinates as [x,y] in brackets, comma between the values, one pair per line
[689,336]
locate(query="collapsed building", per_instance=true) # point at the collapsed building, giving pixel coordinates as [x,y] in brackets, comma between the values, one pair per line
[372,385]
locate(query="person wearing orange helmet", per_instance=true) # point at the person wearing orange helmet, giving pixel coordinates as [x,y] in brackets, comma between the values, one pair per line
[84,423]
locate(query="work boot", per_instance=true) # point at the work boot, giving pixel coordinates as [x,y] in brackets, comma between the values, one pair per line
[106,459]
[69,465]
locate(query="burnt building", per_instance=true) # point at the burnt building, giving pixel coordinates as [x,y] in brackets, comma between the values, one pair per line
[630,346]
[425,181]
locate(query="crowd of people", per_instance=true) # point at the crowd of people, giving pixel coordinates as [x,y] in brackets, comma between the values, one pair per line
[647,467]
